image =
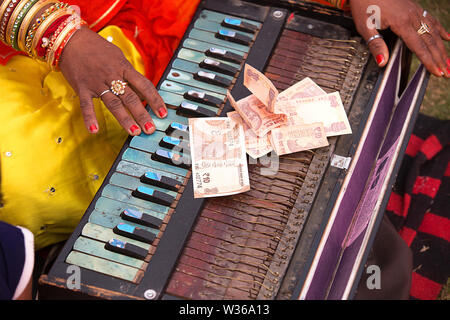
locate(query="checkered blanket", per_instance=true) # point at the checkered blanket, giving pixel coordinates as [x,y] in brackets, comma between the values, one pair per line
[419,206]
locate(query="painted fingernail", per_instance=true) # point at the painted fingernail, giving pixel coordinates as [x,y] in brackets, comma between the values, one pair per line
[93,128]
[162,112]
[448,70]
[148,126]
[441,72]
[448,62]
[380,59]
[134,128]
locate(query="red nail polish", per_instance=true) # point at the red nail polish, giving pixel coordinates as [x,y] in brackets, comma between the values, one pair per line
[448,62]
[162,112]
[148,126]
[133,128]
[93,128]
[448,70]
[380,59]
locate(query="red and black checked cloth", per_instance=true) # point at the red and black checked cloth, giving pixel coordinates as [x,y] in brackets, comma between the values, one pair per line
[419,205]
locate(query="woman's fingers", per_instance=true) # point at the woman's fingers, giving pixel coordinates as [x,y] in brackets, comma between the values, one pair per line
[133,103]
[88,111]
[438,34]
[116,107]
[147,91]
[417,44]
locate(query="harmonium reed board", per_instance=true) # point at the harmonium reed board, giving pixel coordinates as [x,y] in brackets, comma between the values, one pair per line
[144,236]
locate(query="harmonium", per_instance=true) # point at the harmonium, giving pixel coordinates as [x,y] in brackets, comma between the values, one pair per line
[303,231]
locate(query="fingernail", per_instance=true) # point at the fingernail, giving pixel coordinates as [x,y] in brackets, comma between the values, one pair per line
[380,59]
[93,128]
[148,126]
[134,128]
[448,62]
[448,70]
[162,112]
[441,72]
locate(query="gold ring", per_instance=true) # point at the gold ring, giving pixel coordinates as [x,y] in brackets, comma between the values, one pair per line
[118,87]
[424,28]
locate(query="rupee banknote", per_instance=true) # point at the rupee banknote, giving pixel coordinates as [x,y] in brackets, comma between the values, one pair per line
[289,139]
[327,109]
[255,114]
[261,87]
[219,161]
[255,146]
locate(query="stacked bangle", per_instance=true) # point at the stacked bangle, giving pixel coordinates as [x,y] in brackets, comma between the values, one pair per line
[43,37]
[28,20]
[41,30]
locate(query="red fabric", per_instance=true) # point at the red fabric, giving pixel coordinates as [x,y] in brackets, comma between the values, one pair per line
[426,185]
[395,204]
[424,288]
[154,26]
[436,225]
[414,145]
[431,147]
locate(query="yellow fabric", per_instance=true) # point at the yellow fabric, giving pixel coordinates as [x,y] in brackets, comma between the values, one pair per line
[51,167]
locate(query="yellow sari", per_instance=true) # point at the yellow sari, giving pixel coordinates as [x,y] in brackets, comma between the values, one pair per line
[51,167]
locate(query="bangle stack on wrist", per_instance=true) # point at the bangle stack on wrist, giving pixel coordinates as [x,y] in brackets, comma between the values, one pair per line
[42,36]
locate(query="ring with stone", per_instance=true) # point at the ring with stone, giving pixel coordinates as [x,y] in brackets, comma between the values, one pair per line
[118,87]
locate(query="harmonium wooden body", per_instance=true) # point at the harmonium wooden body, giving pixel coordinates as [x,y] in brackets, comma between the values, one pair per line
[305,229]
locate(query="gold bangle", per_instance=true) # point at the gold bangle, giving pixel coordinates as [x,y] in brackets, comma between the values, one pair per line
[12,19]
[31,32]
[27,21]
[44,26]
[51,51]
[3,7]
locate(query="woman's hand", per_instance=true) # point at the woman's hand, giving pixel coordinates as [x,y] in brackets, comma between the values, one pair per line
[404,17]
[90,64]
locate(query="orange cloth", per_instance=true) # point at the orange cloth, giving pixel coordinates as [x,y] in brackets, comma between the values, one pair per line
[154,26]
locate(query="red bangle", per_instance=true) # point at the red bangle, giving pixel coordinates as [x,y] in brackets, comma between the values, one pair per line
[41,51]
[64,42]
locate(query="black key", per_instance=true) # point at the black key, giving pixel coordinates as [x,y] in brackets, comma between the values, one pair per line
[238,24]
[179,128]
[141,218]
[171,142]
[224,55]
[212,78]
[202,97]
[135,233]
[153,195]
[126,248]
[182,161]
[217,66]
[232,36]
[158,180]
[193,110]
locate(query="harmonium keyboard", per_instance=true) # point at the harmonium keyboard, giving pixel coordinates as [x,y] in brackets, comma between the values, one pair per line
[305,229]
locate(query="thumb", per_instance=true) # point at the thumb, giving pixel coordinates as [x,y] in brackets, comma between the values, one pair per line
[377,47]
[367,28]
